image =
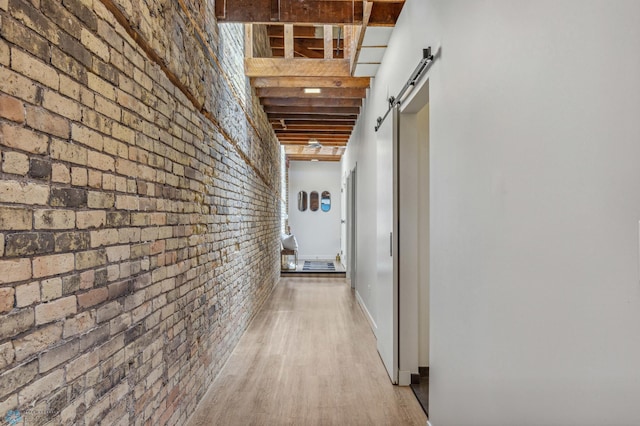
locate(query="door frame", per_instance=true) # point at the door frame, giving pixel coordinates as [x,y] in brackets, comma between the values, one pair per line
[409,284]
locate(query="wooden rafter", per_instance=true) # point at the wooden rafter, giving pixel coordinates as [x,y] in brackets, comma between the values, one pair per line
[325,127]
[295,116]
[308,135]
[272,67]
[312,102]
[304,81]
[316,51]
[298,92]
[289,11]
[347,111]
[385,13]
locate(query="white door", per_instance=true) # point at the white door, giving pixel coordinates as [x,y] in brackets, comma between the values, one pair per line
[387,289]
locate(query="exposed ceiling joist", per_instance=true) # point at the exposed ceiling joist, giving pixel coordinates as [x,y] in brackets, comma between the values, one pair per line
[312,102]
[295,116]
[306,111]
[299,157]
[304,81]
[385,13]
[307,152]
[299,92]
[324,127]
[276,67]
[323,143]
[289,11]
[318,136]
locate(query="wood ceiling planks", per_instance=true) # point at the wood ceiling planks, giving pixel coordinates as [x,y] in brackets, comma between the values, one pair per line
[298,92]
[312,102]
[314,44]
[276,67]
[290,11]
[302,81]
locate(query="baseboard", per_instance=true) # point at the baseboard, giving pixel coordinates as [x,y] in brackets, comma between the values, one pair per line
[404,378]
[367,314]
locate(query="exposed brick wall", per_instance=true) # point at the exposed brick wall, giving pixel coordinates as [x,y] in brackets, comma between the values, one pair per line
[139,208]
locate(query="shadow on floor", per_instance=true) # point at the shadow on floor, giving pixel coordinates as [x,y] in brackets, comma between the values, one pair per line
[421,388]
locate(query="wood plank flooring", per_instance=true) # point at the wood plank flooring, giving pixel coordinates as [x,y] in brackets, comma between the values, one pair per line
[308,358]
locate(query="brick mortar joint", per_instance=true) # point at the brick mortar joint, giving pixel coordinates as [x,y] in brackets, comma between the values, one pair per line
[156,58]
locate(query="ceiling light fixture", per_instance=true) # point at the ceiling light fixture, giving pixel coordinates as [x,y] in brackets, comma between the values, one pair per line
[312,90]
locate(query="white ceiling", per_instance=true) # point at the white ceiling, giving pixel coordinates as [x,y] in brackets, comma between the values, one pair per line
[373,47]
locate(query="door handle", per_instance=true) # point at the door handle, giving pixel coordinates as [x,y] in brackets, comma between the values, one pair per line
[390,243]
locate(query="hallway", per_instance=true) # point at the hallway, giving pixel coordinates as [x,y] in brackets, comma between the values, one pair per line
[308,358]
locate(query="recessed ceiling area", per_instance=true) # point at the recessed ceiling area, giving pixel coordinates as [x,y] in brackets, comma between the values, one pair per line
[322,55]
[374,44]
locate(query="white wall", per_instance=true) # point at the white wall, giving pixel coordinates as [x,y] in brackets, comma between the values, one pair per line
[318,233]
[535,202]
[363,152]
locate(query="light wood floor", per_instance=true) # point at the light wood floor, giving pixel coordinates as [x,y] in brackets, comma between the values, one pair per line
[308,358]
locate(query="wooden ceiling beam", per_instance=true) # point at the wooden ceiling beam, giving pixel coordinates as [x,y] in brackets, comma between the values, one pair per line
[348,111]
[305,48]
[329,128]
[304,142]
[303,81]
[276,67]
[306,139]
[385,14]
[309,135]
[314,44]
[312,124]
[311,149]
[318,118]
[298,92]
[289,11]
[299,52]
[306,31]
[298,157]
[312,102]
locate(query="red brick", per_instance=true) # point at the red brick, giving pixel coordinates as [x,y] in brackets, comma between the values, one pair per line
[92,297]
[11,109]
[6,299]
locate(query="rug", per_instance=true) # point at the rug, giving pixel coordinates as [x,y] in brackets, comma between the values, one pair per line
[318,266]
